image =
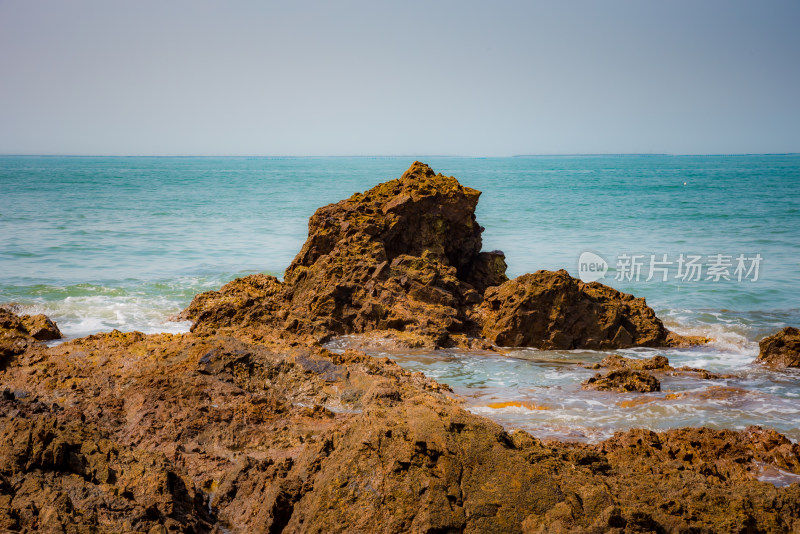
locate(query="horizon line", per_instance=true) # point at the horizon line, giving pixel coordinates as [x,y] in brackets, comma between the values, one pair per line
[576,154]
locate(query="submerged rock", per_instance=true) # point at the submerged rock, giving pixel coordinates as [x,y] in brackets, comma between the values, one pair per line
[781,349]
[624,380]
[403,260]
[657,363]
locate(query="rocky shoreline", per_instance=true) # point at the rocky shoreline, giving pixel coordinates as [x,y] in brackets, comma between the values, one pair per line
[247,424]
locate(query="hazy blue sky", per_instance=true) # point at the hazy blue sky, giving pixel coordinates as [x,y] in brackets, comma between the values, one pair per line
[331,78]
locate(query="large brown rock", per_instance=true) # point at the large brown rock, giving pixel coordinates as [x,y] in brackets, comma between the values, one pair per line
[403,261]
[419,212]
[404,256]
[781,349]
[552,310]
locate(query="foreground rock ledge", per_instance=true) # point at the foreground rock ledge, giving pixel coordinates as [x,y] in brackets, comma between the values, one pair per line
[404,259]
[182,433]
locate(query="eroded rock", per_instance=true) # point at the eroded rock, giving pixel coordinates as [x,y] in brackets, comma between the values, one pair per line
[58,474]
[656,363]
[615,361]
[18,332]
[281,436]
[623,381]
[552,310]
[403,261]
[402,257]
[41,327]
[781,349]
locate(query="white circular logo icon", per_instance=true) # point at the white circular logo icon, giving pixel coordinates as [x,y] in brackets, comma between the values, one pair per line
[591,267]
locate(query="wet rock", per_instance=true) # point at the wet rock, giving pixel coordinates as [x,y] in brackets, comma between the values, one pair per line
[696,372]
[657,363]
[781,349]
[682,341]
[18,332]
[250,300]
[615,361]
[623,380]
[41,327]
[552,310]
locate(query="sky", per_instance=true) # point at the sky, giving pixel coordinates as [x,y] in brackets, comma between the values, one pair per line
[305,78]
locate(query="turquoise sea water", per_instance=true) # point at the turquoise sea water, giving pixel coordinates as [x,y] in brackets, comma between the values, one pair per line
[102,243]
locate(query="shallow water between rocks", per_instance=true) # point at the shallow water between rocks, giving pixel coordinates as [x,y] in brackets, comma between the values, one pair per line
[540,391]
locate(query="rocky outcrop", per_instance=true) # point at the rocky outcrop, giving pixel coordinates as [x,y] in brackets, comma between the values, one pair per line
[624,381]
[694,468]
[402,257]
[403,261]
[552,310]
[17,332]
[781,349]
[41,327]
[656,363]
[188,433]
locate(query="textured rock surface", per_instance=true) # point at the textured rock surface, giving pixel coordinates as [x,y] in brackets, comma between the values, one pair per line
[659,364]
[17,332]
[781,349]
[40,327]
[404,260]
[624,380]
[58,474]
[248,425]
[615,361]
[402,257]
[127,432]
[552,310]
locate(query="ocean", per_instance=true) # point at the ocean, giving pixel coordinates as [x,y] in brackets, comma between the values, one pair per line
[712,243]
